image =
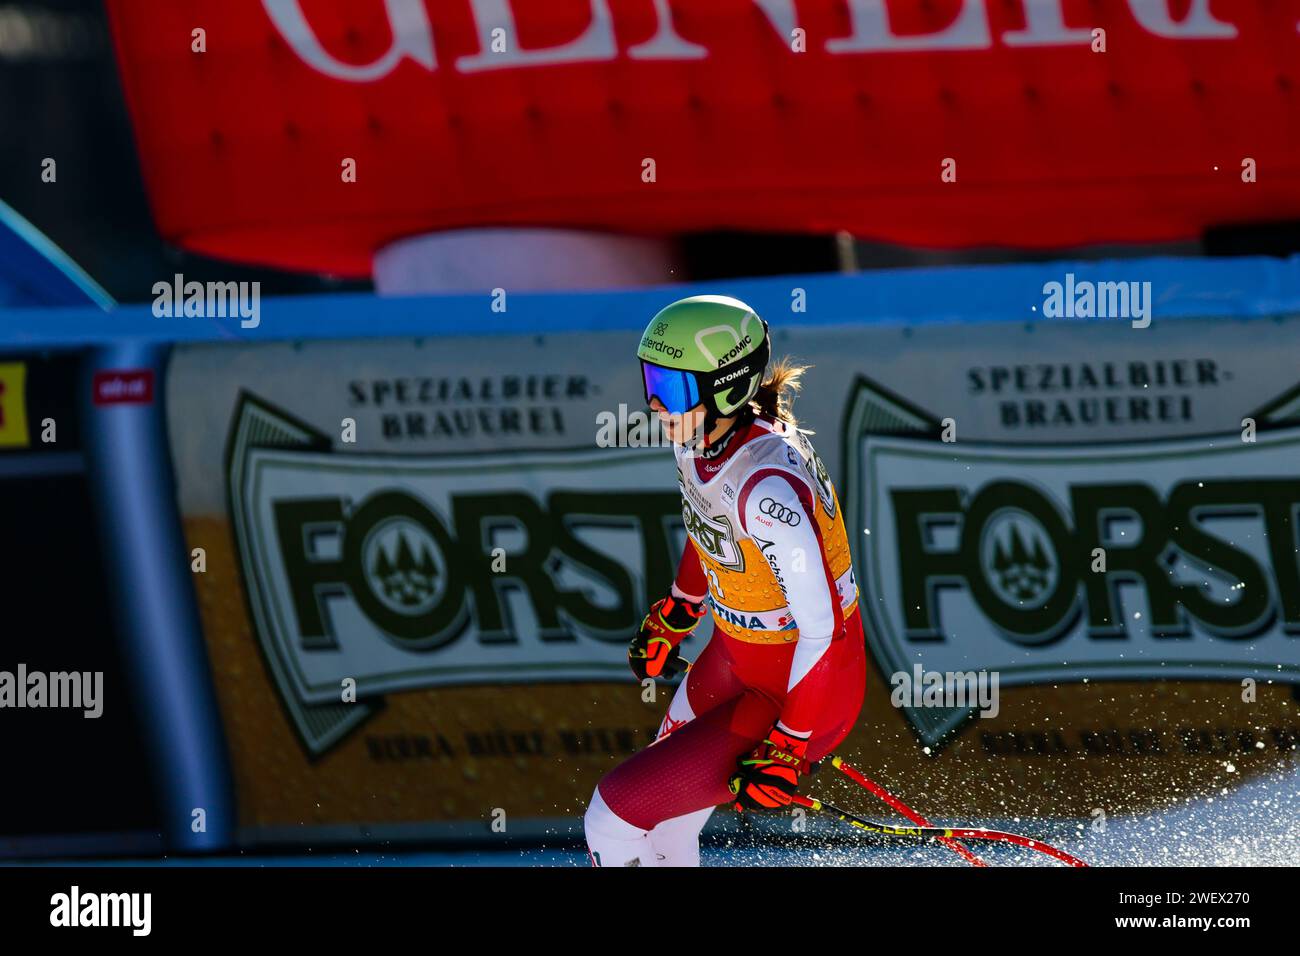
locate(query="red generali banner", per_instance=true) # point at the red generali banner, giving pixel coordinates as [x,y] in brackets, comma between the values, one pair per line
[309,133]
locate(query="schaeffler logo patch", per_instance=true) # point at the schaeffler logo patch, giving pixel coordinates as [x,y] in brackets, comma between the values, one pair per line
[376,573]
[1176,558]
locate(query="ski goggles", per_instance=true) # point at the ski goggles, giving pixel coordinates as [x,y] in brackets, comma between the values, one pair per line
[676,390]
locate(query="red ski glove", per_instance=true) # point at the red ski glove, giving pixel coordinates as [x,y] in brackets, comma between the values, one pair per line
[769,777]
[653,652]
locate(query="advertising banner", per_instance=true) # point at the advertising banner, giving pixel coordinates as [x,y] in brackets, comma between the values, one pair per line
[424,559]
[330,129]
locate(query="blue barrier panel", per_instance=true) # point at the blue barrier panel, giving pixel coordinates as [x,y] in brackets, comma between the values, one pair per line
[252,420]
[1207,288]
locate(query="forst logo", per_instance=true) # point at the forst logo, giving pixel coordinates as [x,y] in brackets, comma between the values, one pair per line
[406,572]
[714,535]
[1021,570]
[402,580]
[416,576]
[1176,558]
[1030,570]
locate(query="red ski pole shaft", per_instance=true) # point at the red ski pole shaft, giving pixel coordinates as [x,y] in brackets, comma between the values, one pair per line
[898,805]
[893,801]
[965,833]
[946,835]
[933,832]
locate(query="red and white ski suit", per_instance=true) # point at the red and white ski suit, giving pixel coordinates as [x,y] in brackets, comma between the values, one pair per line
[768,547]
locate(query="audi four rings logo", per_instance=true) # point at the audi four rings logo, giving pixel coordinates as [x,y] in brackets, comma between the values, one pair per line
[776,510]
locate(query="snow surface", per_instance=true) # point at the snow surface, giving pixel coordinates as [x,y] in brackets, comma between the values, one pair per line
[1255,824]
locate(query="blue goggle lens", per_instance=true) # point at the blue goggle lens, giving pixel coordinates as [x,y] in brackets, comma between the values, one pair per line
[676,390]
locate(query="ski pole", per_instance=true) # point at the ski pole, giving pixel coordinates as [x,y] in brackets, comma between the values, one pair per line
[885,795]
[947,836]
[899,806]
[938,833]
[860,778]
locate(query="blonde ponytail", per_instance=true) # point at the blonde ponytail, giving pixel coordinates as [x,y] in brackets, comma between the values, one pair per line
[783,381]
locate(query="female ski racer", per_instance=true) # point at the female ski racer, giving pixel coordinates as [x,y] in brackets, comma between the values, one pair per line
[780,683]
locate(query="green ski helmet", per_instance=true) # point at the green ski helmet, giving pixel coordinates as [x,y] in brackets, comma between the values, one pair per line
[707,349]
